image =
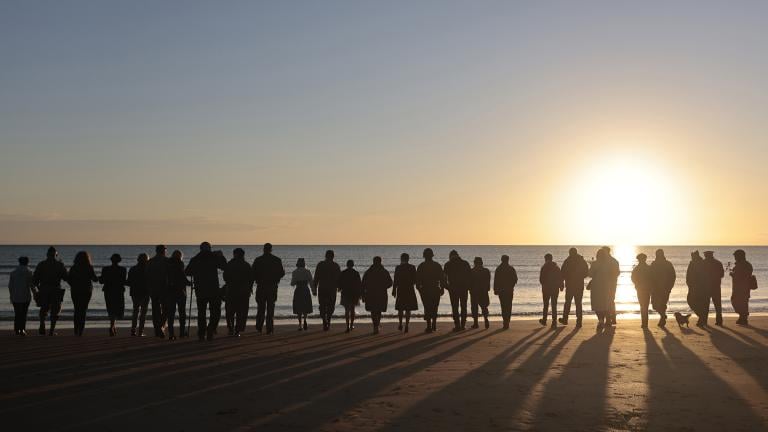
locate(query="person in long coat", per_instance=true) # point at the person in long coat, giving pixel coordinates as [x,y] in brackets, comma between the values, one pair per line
[714,277]
[551,280]
[139,292]
[404,291]
[157,281]
[743,282]
[481,285]
[350,288]
[430,282]
[664,276]
[268,271]
[47,278]
[696,279]
[325,285]
[376,281]
[458,279]
[600,289]
[504,281]
[301,280]
[113,279]
[238,277]
[176,298]
[643,280]
[204,268]
[81,279]
[614,269]
[574,269]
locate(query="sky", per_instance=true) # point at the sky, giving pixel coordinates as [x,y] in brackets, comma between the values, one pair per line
[369,122]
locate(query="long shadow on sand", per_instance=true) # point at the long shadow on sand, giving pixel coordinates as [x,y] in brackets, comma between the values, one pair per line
[750,356]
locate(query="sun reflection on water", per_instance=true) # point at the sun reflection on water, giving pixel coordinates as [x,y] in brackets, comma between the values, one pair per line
[626,297]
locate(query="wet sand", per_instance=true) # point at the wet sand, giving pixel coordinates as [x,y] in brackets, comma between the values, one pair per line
[526,378]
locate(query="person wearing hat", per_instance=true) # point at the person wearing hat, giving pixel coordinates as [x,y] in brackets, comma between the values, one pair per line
[481,285]
[743,282]
[404,291]
[157,282]
[430,282]
[664,277]
[551,280]
[113,279]
[47,278]
[458,279]
[643,280]
[698,298]
[574,269]
[714,272]
[504,281]
[204,269]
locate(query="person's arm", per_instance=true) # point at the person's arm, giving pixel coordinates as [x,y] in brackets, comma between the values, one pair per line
[541,276]
[190,270]
[514,277]
[395,283]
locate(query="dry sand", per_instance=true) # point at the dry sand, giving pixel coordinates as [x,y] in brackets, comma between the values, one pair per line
[526,378]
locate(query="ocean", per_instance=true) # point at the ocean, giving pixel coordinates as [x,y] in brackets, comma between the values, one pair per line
[526,260]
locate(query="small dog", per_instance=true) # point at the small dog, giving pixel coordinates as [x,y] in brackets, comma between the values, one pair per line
[682,319]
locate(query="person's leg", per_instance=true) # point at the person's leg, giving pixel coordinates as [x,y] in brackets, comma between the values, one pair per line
[43,314]
[400,319]
[474,309]
[644,299]
[55,309]
[454,297]
[158,315]
[229,314]
[202,326]
[407,319]
[261,311]
[170,310]
[718,304]
[352,317]
[16,318]
[553,300]
[463,302]
[270,315]
[134,315]
[545,307]
[23,319]
[578,297]
[215,317]
[143,315]
[569,295]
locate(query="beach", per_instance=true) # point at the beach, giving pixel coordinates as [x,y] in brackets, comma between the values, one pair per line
[527,378]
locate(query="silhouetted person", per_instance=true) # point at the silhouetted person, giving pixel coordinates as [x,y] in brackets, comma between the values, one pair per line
[574,270]
[176,300]
[81,278]
[113,280]
[21,285]
[664,277]
[481,285]
[714,272]
[551,280]
[301,279]
[325,285]
[139,292]
[642,277]
[430,281]
[157,280]
[504,281]
[267,272]
[238,279]
[350,287]
[602,274]
[458,280]
[743,282]
[47,278]
[204,268]
[698,297]
[404,291]
[613,282]
[376,281]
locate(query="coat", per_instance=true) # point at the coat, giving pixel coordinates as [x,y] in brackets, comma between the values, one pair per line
[157,276]
[430,279]
[599,287]
[327,276]
[714,272]
[458,275]
[137,281]
[113,279]
[204,267]
[574,270]
[481,285]
[376,281]
[81,279]
[404,287]
[350,286]
[267,271]
[741,276]
[301,278]
[696,279]
[664,276]
[177,279]
[239,277]
[504,279]
[642,277]
[49,274]
[550,278]
[20,283]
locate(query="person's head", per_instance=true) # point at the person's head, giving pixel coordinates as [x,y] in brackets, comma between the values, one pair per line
[238,253]
[51,253]
[160,250]
[142,258]
[115,259]
[548,257]
[350,264]
[660,254]
[642,258]
[505,259]
[709,254]
[478,262]
[377,260]
[267,248]
[740,255]
[404,258]
[695,255]
[428,254]
[453,255]
[205,247]
[573,252]
[177,255]
[82,258]
[300,263]
[329,255]
[600,255]
[23,261]
[606,249]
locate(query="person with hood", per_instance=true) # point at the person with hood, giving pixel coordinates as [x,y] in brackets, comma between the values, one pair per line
[176,300]
[504,281]
[267,272]
[376,281]
[113,280]
[642,277]
[601,274]
[696,279]
[458,280]
[551,280]
[743,282]
[21,286]
[325,285]
[80,280]
[301,278]
[714,272]
[430,281]
[47,278]
[574,269]
[481,285]
[204,269]
[664,276]
[157,281]
[139,292]
[350,288]
[404,291]
[238,279]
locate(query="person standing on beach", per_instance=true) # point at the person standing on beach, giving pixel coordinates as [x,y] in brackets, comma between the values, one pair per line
[350,288]
[504,281]
[157,281]
[21,286]
[81,279]
[574,269]
[430,281]
[113,280]
[743,282]
[238,278]
[698,298]
[404,291]
[551,280]
[325,285]
[614,270]
[267,272]
[600,288]
[301,278]
[204,268]
[714,273]
[176,300]
[642,277]
[47,278]
[139,292]
[481,285]
[458,276]
[376,281]
[664,276]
